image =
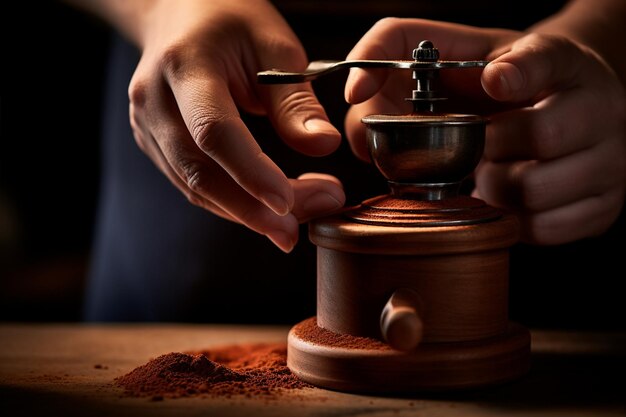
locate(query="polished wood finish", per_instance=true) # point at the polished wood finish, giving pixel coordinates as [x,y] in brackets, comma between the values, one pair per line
[430,367]
[460,274]
[337,232]
[437,294]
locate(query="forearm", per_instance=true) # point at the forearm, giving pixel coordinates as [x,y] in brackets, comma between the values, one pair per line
[598,24]
[125,16]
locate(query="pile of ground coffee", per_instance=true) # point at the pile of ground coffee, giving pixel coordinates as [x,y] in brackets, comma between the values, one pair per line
[247,369]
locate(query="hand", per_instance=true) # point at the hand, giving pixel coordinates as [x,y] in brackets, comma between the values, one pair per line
[555,149]
[198,68]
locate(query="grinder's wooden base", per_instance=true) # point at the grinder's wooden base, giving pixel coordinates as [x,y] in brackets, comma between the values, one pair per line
[431,367]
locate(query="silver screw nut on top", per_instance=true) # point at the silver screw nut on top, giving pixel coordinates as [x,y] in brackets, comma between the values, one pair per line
[426,52]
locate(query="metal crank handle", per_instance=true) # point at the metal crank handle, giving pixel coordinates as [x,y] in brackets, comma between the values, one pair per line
[319,68]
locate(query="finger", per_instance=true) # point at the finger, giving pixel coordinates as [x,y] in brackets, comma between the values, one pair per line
[355,131]
[207,179]
[147,113]
[354,127]
[294,109]
[151,149]
[317,195]
[385,102]
[592,217]
[538,186]
[556,126]
[212,119]
[207,184]
[300,120]
[363,84]
[535,66]
[395,38]
[149,146]
[321,176]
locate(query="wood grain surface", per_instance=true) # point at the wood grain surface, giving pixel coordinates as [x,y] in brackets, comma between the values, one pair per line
[68,370]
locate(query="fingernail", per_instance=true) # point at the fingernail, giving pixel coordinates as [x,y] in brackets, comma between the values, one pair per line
[276,203]
[282,240]
[319,126]
[321,202]
[510,77]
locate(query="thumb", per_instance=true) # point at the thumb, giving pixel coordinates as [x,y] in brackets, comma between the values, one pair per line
[535,66]
[395,38]
[300,119]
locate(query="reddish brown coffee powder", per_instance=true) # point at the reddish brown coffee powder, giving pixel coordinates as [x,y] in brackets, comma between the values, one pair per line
[309,331]
[248,369]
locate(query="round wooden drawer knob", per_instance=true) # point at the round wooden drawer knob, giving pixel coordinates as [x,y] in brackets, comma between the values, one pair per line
[400,323]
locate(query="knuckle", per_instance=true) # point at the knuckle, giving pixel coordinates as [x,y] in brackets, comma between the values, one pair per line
[180,61]
[386,24]
[541,49]
[544,43]
[138,92]
[193,174]
[533,42]
[205,129]
[174,60]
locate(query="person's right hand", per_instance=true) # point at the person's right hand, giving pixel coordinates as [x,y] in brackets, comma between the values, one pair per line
[198,68]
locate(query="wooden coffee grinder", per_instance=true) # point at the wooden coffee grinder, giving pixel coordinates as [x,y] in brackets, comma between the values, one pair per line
[423,269]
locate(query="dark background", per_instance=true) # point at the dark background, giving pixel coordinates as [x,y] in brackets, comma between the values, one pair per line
[52,86]
[52,72]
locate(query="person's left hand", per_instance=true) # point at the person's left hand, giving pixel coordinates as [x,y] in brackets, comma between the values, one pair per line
[555,149]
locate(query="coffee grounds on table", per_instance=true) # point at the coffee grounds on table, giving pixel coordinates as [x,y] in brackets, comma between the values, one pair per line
[246,369]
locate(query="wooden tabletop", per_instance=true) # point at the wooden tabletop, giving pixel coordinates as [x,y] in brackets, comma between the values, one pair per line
[68,369]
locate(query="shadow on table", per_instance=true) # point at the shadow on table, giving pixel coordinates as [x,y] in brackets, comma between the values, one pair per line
[557,381]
